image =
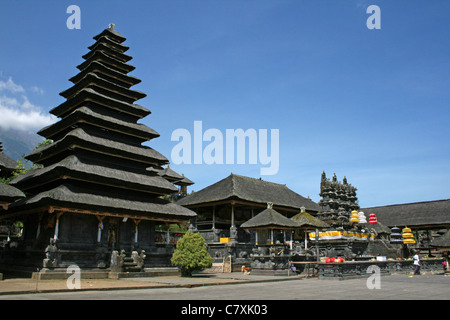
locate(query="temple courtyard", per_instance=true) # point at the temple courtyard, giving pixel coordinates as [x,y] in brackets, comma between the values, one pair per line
[233,286]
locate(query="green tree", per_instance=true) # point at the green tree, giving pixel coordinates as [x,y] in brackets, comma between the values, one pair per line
[191,254]
[23,165]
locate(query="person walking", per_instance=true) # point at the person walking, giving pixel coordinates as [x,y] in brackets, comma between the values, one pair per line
[416,264]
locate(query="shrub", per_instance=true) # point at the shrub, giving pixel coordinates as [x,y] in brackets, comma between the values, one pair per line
[191,254]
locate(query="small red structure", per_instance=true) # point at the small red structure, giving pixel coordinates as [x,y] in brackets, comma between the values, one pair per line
[372,219]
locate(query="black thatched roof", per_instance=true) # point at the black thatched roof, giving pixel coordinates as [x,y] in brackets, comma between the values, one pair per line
[72,168]
[72,197]
[84,140]
[109,61]
[108,42]
[90,95]
[110,74]
[94,81]
[185,181]
[112,34]
[86,115]
[7,163]
[251,190]
[443,241]
[169,174]
[9,194]
[307,221]
[417,214]
[269,218]
[107,49]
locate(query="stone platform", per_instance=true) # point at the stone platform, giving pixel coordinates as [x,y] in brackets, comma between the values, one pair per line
[62,274]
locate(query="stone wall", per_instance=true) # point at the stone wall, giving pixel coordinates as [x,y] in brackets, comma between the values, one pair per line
[357,269]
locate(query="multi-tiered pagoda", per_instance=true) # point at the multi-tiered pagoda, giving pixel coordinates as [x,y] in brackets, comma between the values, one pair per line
[100,190]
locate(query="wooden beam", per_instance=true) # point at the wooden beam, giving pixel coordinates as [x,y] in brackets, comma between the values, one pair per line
[244,203]
[116,215]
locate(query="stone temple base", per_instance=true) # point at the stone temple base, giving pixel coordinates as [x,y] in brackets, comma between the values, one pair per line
[61,274]
[363,269]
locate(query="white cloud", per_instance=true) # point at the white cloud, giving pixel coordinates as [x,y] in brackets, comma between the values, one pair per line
[18,119]
[37,90]
[17,112]
[11,86]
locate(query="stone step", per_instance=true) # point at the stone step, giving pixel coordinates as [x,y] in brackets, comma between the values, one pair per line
[132,269]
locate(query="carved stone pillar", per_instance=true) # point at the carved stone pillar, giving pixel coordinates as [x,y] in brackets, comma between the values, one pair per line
[233,229]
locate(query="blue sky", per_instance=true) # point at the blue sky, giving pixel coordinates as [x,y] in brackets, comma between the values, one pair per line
[371,105]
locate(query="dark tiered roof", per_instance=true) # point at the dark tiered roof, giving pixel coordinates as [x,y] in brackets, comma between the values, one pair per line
[9,194]
[249,190]
[102,120]
[97,163]
[6,163]
[170,175]
[185,181]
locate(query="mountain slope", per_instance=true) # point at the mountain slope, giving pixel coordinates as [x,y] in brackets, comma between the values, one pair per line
[18,142]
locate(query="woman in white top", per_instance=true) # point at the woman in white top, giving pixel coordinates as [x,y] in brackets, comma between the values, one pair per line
[416,263]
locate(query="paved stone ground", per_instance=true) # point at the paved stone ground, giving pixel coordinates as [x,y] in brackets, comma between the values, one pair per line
[245,287]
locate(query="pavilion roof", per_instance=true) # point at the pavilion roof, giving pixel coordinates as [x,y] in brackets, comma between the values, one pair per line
[170,174]
[184,181]
[9,194]
[251,190]
[269,218]
[307,221]
[417,214]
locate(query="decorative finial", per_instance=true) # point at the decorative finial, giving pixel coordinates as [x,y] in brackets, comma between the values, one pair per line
[269,205]
[111,26]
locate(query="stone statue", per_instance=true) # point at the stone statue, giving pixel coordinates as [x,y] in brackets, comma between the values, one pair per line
[51,255]
[233,232]
[117,261]
[138,259]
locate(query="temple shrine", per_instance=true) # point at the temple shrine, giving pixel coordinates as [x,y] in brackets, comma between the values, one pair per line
[99,195]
